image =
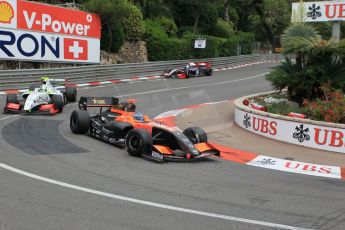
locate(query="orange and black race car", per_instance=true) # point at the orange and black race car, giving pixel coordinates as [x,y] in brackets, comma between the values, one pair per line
[119,124]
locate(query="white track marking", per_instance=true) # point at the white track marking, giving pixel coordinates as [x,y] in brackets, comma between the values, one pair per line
[193,86]
[7,117]
[149,203]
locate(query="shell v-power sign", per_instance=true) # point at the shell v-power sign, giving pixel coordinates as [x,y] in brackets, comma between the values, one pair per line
[41,32]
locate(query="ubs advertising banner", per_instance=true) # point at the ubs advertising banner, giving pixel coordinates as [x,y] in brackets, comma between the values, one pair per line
[318,11]
[313,136]
[35,31]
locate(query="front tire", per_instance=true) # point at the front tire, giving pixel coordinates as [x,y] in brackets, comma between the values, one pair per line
[138,142]
[58,102]
[209,72]
[71,94]
[11,98]
[79,121]
[195,134]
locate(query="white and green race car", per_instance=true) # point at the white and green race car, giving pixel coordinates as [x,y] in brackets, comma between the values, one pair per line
[44,98]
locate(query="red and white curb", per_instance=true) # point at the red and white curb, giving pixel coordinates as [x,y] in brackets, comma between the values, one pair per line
[95,83]
[134,79]
[262,161]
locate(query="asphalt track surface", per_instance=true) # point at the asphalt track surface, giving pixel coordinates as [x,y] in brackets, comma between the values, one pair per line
[53,179]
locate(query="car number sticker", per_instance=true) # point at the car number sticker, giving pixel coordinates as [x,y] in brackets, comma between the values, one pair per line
[157,155]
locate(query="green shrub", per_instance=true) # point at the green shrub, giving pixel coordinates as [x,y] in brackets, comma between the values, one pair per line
[246,41]
[228,47]
[169,25]
[154,29]
[223,29]
[118,37]
[134,25]
[279,107]
[160,49]
[211,50]
[185,30]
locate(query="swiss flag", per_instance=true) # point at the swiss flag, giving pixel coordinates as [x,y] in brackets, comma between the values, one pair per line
[75,49]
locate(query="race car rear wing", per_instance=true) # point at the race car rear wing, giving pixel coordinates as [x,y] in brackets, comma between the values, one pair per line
[59,83]
[203,64]
[86,102]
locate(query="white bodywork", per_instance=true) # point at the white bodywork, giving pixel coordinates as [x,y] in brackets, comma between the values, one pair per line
[40,96]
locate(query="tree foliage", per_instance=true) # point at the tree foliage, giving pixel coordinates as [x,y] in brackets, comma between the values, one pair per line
[223,29]
[319,65]
[113,13]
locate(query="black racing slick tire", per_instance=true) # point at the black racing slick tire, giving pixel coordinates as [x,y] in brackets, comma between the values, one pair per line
[209,72]
[195,134]
[79,121]
[138,142]
[11,98]
[71,93]
[58,102]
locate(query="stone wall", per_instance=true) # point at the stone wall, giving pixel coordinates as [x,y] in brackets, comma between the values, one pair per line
[130,52]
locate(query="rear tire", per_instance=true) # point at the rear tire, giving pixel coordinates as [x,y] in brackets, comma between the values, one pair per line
[195,134]
[79,121]
[71,94]
[209,72]
[11,98]
[58,102]
[138,142]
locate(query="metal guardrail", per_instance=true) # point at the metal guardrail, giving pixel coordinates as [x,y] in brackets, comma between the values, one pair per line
[17,79]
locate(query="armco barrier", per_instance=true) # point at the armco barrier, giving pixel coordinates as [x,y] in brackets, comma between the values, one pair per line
[305,132]
[16,79]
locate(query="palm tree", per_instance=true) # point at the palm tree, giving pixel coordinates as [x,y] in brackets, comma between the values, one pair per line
[314,66]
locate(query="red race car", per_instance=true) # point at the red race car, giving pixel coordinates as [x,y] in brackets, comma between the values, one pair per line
[192,69]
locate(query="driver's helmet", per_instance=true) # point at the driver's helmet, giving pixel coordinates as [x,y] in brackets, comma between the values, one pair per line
[139,117]
[44,86]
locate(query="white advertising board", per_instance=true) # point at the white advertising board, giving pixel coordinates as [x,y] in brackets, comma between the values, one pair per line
[318,137]
[318,11]
[23,45]
[200,44]
[35,31]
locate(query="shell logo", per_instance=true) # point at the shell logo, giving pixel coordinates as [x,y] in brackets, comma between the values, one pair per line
[6,12]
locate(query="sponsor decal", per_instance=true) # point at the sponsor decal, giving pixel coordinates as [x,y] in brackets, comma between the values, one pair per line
[35,31]
[246,121]
[99,101]
[264,126]
[296,167]
[318,11]
[301,133]
[6,12]
[314,11]
[265,161]
[314,136]
[334,138]
[47,18]
[157,155]
[16,44]
[75,49]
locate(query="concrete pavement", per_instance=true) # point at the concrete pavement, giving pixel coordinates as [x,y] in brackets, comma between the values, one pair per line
[218,122]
